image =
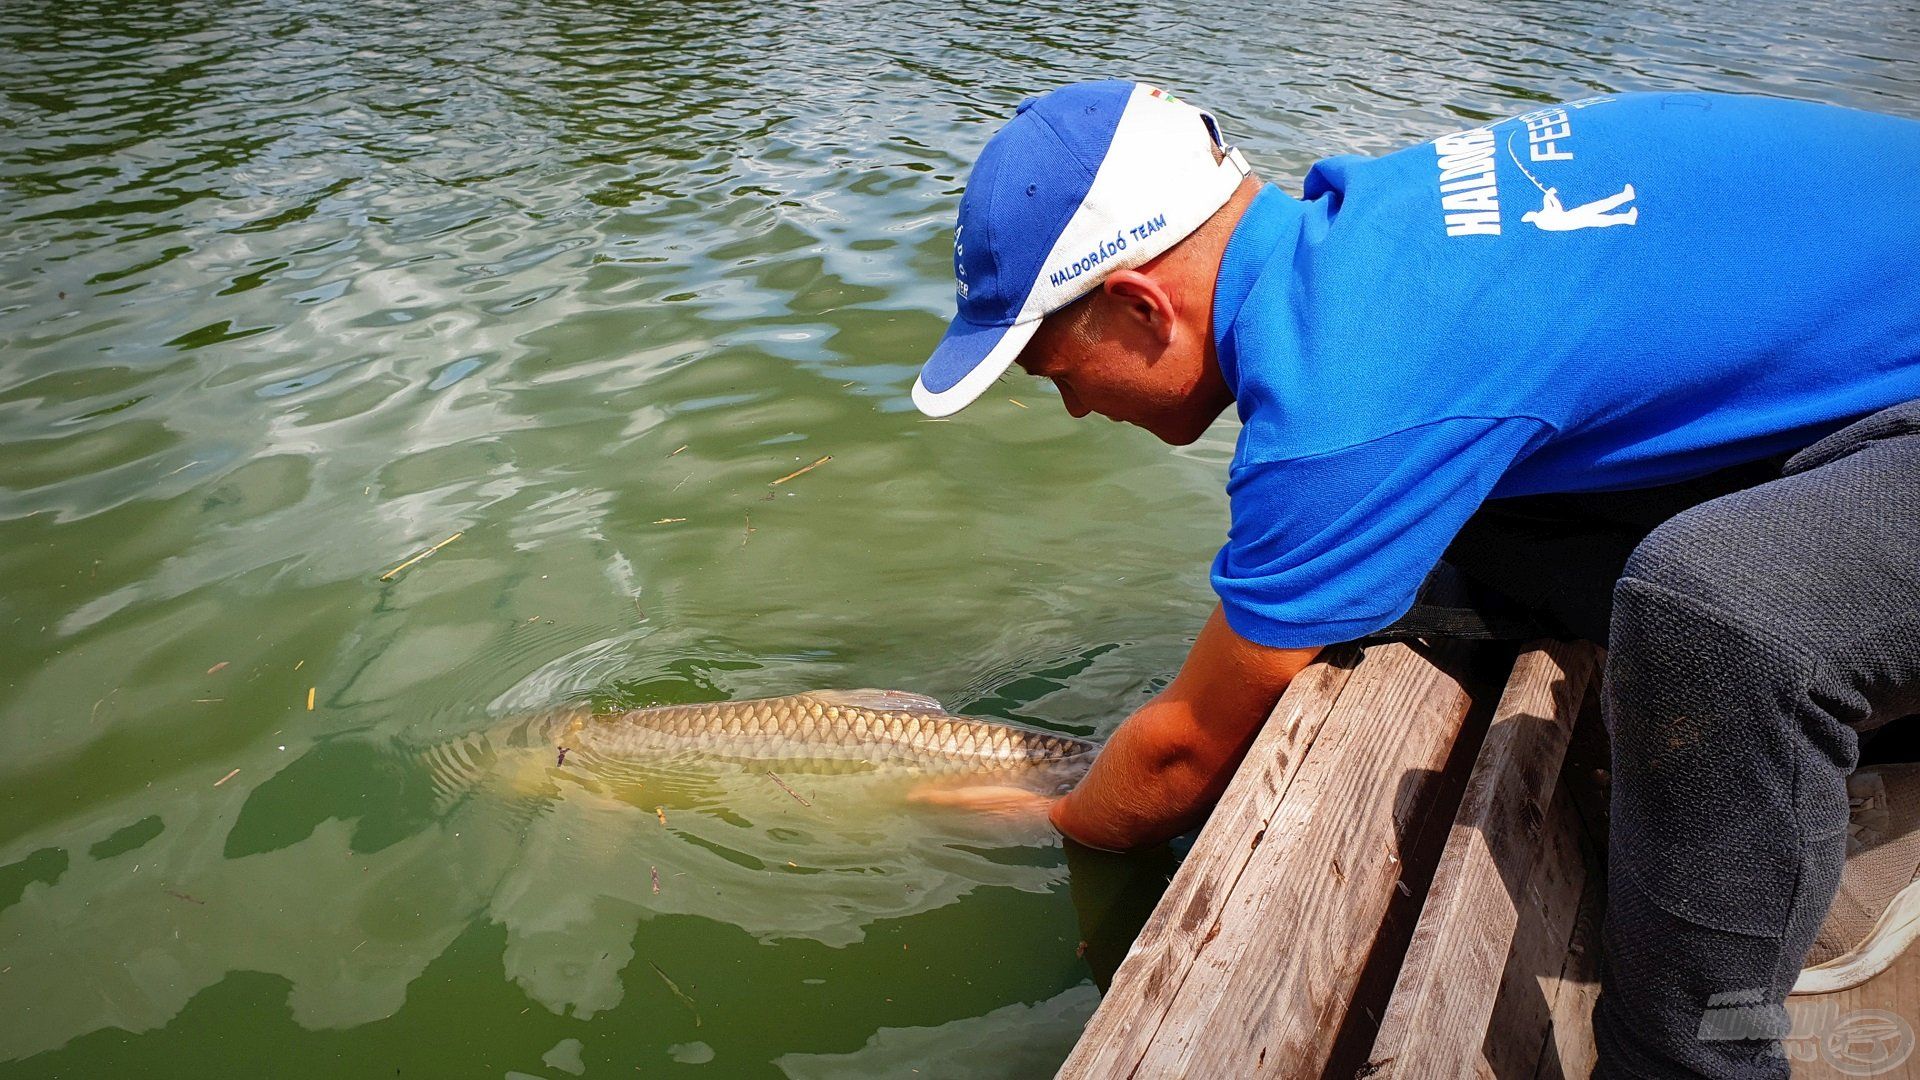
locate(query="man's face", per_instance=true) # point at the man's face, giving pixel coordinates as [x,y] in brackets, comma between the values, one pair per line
[1104,363]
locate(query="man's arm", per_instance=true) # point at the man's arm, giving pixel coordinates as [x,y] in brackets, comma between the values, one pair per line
[1168,763]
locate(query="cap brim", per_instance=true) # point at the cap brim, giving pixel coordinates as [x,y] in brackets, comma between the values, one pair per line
[966,362]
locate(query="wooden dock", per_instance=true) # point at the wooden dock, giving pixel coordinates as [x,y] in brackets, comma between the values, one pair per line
[1403,879]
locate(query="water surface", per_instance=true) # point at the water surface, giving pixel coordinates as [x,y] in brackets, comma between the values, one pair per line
[290,292]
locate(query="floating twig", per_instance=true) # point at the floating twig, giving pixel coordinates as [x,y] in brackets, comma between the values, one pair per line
[669,521]
[662,811]
[183,468]
[656,879]
[802,470]
[300,664]
[216,667]
[389,574]
[188,899]
[748,535]
[561,761]
[310,693]
[677,992]
[1018,402]
[788,790]
[677,451]
[226,778]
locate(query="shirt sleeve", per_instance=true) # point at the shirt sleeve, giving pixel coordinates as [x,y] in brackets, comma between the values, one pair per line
[1334,546]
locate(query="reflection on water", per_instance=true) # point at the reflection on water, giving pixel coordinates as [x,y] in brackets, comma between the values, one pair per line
[407,847]
[291,292]
[1014,1040]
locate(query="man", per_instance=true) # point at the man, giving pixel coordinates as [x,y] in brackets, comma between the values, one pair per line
[1647,364]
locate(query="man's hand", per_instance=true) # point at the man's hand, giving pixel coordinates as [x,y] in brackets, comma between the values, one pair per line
[1168,763]
[998,801]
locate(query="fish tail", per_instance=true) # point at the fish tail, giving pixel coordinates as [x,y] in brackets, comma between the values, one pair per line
[458,767]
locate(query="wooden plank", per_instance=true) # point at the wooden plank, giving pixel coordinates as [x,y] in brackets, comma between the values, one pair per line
[1308,909]
[1523,1011]
[1422,835]
[1142,990]
[1437,1019]
[1570,1053]
[1588,770]
[1277,920]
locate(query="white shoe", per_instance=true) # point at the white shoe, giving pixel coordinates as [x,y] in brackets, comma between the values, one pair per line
[1876,914]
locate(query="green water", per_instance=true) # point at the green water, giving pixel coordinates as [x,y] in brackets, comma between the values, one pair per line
[290,292]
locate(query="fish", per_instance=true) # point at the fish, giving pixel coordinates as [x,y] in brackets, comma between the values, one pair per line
[835,730]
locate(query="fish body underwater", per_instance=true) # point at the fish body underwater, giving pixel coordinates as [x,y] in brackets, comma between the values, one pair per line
[829,730]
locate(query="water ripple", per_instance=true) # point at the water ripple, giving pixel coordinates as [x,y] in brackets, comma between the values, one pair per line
[291,292]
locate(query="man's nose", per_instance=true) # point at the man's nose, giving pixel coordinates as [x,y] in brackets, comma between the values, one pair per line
[1075,408]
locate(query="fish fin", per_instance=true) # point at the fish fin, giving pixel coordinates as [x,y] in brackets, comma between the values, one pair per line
[877,699]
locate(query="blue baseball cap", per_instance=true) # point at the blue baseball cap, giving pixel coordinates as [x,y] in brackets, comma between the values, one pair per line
[1089,179]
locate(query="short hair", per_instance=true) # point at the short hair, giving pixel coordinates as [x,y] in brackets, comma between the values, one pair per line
[1084,317]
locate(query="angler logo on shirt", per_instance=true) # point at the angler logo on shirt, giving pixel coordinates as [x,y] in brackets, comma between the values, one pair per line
[1469,183]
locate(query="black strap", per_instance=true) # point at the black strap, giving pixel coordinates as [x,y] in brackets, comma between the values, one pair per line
[1469,623]
[1449,605]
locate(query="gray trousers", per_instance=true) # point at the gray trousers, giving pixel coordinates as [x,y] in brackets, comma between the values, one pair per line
[1753,637]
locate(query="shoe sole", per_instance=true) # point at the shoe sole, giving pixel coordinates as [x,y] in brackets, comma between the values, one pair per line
[1897,928]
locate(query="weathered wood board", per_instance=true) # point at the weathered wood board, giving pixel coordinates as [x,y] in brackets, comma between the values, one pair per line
[1452,972]
[1248,963]
[1520,1033]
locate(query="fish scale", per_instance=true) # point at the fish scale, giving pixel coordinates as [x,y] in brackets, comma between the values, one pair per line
[868,725]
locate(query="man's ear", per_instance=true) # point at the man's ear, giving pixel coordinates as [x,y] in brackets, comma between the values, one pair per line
[1142,301]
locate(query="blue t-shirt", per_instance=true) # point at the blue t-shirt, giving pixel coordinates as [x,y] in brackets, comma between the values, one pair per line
[1614,293]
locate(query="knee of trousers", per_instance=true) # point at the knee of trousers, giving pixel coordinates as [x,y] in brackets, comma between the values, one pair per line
[1720,796]
[1687,624]
[1709,629]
